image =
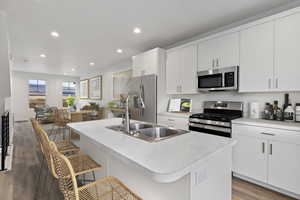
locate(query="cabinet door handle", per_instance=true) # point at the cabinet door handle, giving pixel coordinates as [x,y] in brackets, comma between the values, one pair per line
[276,83]
[271,149]
[213,63]
[269,83]
[217,62]
[270,134]
[263,147]
[171,120]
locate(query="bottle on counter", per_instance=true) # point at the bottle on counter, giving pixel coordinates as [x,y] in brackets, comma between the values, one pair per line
[289,113]
[277,112]
[268,111]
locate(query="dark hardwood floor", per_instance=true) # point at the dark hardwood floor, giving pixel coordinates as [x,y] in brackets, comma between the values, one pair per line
[21,182]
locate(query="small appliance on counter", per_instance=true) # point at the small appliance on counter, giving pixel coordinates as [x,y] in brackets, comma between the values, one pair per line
[254,110]
[297,112]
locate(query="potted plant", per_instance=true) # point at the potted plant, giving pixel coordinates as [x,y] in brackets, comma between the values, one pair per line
[71,103]
[95,108]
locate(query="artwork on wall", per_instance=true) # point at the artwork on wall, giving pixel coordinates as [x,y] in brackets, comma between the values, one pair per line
[84,89]
[95,88]
[120,81]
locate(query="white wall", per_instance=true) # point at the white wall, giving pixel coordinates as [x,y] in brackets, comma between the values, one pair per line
[20,98]
[5,88]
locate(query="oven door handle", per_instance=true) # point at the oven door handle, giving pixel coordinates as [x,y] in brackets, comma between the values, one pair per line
[215,128]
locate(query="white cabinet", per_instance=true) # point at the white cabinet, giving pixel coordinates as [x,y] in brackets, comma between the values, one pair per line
[250,157]
[172,72]
[181,70]
[219,52]
[287,48]
[284,165]
[257,58]
[174,122]
[268,155]
[148,62]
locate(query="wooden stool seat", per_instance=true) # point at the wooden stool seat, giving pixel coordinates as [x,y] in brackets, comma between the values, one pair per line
[66,147]
[108,188]
[82,164]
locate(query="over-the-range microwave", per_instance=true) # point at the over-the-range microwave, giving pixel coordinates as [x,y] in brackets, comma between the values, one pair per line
[218,79]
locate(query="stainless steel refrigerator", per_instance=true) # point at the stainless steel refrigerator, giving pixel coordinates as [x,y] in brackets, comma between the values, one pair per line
[144,87]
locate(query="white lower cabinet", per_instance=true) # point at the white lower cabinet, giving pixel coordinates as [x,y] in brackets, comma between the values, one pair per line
[174,122]
[268,155]
[284,166]
[250,157]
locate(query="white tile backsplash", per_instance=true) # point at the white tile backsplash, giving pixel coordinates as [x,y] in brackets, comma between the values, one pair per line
[261,98]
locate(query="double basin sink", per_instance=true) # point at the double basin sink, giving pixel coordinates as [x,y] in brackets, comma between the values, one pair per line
[148,132]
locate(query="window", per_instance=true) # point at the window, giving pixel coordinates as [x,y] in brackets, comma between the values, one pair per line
[37,93]
[69,89]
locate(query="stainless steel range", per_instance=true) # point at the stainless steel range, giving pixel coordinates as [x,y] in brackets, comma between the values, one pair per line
[216,117]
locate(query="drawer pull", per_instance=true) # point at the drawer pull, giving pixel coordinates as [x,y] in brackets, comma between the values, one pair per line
[172,120]
[263,147]
[270,134]
[271,149]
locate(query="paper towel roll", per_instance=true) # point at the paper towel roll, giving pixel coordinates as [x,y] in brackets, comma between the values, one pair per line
[254,110]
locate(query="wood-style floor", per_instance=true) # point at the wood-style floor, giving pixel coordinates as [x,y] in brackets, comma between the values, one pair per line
[20,183]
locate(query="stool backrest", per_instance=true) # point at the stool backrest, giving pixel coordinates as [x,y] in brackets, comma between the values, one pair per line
[65,173]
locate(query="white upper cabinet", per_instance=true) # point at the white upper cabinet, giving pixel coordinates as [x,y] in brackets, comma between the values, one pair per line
[147,62]
[228,50]
[181,70]
[206,55]
[172,72]
[219,52]
[287,48]
[257,58]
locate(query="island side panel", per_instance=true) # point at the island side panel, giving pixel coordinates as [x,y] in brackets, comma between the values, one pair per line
[213,178]
[135,177]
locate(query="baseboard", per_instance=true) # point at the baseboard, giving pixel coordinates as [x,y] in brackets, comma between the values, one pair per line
[296,196]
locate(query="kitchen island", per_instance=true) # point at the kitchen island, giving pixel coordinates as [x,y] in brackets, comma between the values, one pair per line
[191,166]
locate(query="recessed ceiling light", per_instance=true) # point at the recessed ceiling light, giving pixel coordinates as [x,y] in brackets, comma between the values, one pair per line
[92,64]
[73,69]
[137,30]
[55,34]
[43,56]
[119,51]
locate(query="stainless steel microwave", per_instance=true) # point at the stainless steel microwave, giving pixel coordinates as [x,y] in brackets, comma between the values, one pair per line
[218,79]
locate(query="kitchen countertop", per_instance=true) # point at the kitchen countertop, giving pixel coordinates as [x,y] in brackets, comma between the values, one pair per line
[166,160]
[177,114]
[293,126]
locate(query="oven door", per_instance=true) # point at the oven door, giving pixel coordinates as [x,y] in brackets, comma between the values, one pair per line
[210,81]
[210,129]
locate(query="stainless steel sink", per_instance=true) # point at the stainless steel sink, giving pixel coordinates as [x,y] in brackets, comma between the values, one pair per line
[149,132]
[132,127]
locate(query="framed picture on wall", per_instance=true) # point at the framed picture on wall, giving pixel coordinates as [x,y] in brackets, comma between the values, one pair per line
[84,89]
[95,88]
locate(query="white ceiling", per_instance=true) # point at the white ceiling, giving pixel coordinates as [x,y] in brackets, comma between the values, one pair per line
[92,30]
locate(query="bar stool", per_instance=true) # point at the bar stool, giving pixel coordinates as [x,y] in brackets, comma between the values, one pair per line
[59,127]
[82,163]
[65,146]
[108,188]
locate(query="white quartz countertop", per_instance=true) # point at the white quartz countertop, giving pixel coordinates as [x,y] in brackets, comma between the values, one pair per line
[166,160]
[175,114]
[293,126]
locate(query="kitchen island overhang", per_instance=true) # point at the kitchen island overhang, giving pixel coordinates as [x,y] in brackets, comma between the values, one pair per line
[186,163]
